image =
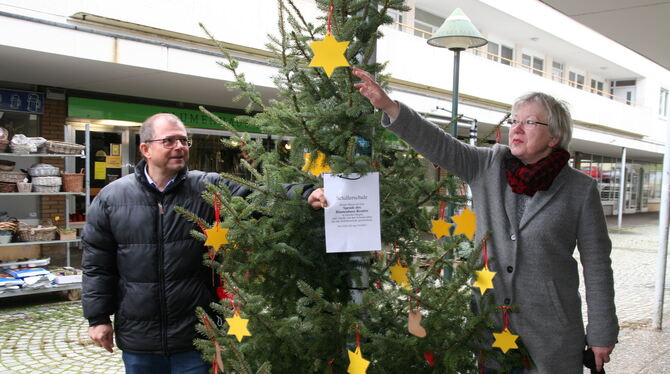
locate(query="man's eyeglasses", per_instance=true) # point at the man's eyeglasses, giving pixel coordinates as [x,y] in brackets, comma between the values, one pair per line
[171,142]
[529,123]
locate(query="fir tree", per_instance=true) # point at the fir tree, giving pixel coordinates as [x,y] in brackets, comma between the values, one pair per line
[298,298]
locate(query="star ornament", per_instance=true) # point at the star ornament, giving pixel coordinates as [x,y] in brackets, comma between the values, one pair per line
[329,53]
[357,364]
[238,326]
[399,274]
[465,223]
[484,279]
[216,237]
[318,166]
[505,340]
[440,228]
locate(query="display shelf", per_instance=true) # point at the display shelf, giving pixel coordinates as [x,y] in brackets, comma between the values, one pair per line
[41,242]
[29,291]
[41,155]
[71,288]
[41,193]
[29,263]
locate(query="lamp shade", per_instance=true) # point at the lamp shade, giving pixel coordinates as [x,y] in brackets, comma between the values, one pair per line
[457,32]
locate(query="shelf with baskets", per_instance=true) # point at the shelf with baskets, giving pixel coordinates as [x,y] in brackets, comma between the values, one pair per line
[46,180]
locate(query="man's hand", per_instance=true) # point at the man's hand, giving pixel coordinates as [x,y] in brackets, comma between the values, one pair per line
[317,199]
[373,92]
[602,355]
[102,336]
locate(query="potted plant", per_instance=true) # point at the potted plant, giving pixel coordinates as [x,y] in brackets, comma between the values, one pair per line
[65,233]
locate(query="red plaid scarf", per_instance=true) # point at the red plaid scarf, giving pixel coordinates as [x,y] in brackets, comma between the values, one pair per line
[528,179]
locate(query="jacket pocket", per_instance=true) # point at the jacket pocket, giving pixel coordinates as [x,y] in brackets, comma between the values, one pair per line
[559,309]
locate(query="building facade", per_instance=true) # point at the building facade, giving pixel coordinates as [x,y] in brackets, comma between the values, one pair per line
[112,64]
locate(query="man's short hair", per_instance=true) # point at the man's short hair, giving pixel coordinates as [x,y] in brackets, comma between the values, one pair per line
[147,129]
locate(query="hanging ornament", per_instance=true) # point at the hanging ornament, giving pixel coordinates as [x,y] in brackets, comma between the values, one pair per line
[318,166]
[465,223]
[357,364]
[399,274]
[441,227]
[217,235]
[505,340]
[237,325]
[329,53]
[430,359]
[484,277]
[414,321]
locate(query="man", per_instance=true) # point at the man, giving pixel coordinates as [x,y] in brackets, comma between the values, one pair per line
[140,262]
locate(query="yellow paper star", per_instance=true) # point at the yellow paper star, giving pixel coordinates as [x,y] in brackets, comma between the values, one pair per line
[465,223]
[238,326]
[216,237]
[484,279]
[399,274]
[357,364]
[505,340]
[318,166]
[440,228]
[329,53]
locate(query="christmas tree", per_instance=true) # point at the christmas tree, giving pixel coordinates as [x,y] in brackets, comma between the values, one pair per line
[289,306]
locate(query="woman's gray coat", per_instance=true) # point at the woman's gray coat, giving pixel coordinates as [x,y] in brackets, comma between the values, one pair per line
[533,260]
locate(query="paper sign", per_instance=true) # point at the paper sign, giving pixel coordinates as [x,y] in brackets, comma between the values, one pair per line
[113,162]
[100,170]
[352,216]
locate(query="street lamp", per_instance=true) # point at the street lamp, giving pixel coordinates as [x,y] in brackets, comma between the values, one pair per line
[457,34]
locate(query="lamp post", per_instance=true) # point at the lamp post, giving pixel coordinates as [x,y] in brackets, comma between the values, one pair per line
[457,34]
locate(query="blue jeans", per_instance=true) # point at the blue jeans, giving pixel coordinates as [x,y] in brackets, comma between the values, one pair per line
[178,363]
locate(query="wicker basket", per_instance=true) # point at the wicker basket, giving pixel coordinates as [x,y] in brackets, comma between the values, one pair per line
[53,146]
[3,145]
[73,182]
[47,184]
[8,187]
[6,165]
[9,226]
[43,170]
[36,233]
[12,176]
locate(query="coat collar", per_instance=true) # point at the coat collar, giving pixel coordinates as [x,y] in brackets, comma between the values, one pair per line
[542,198]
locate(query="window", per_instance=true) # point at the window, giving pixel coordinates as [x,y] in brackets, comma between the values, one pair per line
[533,64]
[493,51]
[423,29]
[557,71]
[663,104]
[425,23]
[507,55]
[597,87]
[397,19]
[576,80]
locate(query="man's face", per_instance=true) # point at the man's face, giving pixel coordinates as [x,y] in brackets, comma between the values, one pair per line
[158,156]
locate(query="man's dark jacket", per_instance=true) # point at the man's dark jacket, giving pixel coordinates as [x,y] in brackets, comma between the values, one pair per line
[141,264]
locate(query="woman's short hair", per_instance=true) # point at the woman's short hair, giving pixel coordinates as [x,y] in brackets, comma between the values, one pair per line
[147,129]
[558,115]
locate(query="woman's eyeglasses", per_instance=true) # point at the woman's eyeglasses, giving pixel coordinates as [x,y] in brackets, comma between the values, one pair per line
[171,141]
[529,123]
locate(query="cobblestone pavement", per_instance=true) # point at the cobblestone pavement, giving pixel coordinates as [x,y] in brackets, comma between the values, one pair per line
[51,336]
[52,339]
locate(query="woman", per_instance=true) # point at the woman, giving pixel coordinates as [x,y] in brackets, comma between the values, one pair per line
[537,208]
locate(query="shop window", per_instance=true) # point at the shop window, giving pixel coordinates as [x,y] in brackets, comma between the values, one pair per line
[19,123]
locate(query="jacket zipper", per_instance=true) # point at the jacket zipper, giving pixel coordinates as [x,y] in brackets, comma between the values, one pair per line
[161,278]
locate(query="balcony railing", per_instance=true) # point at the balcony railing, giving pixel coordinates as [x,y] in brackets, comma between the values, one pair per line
[425,34]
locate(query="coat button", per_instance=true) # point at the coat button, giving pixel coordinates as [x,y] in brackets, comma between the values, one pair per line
[510,269]
[507,301]
[513,237]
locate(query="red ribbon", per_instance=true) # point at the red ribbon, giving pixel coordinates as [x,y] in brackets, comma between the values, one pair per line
[505,314]
[485,254]
[358,337]
[481,362]
[428,355]
[217,211]
[442,207]
[330,15]
[498,135]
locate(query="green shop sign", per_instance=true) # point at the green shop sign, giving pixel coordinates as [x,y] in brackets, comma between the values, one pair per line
[79,107]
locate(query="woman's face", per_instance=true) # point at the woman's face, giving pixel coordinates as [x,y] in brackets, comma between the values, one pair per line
[531,143]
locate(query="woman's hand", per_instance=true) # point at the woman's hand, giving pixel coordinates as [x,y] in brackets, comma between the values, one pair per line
[602,355]
[374,92]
